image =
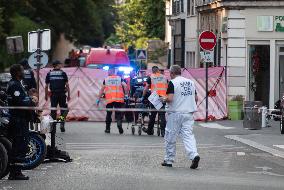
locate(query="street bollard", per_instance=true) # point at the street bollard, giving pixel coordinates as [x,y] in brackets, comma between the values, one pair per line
[263,116]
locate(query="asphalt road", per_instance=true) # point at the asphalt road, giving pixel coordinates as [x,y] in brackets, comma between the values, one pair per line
[113,161]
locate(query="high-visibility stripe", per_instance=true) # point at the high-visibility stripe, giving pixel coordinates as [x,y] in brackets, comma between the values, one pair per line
[160,88]
[159,84]
[115,100]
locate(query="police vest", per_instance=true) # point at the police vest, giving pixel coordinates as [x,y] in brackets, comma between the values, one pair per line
[58,81]
[184,95]
[159,84]
[113,89]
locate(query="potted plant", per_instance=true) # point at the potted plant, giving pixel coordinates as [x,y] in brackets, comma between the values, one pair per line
[235,106]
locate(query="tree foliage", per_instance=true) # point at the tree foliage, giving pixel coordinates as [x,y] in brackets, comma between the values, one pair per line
[140,19]
[86,22]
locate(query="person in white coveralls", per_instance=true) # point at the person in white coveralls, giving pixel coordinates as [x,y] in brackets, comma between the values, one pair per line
[181,102]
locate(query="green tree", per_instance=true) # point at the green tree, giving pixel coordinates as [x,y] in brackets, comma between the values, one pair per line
[140,19]
[130,26]
[87,22]
[108,16]
[1,26]
[154,19]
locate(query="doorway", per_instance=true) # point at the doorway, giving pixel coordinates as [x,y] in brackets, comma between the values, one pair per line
[281,71]
[259,73]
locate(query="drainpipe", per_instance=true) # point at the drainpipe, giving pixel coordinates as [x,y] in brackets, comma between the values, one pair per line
[197,55]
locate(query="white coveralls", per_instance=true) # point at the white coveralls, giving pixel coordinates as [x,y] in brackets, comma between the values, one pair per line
[179,123]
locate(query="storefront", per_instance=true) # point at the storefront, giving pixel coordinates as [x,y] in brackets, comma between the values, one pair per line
[264,36]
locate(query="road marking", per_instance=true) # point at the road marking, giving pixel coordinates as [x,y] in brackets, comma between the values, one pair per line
[89,146]
[256,145]
[241,153]
[279,146]
[214,126]
[264,168]
[265,171]
[231,148]
[6,188]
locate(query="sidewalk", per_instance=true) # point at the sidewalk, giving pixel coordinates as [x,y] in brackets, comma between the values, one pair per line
[267,139]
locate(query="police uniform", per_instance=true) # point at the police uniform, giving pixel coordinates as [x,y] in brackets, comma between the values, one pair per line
[19,122]
[158,83]
[57,80]
[29,81]
[178,122]
[114,96]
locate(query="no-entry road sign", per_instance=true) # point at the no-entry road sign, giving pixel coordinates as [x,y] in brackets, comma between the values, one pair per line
[207,40]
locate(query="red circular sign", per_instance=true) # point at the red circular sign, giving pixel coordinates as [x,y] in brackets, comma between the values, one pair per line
[207,40]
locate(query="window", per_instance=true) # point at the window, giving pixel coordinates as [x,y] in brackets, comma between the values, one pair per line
[190,7]
[190,59]
[177,6]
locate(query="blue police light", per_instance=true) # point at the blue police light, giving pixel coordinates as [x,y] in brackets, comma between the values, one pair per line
[126,70]
[106,68]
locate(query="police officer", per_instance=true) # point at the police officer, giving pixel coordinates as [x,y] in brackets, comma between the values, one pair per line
[181,98]
[29,81]
[19,121]
[57,81]
[114,89]
[157,82]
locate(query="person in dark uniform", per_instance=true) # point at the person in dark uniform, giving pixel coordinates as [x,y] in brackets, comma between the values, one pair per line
[57,81]
[19,121]
[29,81]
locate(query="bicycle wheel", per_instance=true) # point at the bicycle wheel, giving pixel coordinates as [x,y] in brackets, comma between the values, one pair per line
[37,152]
[8,146]
[281,125]
[3,160]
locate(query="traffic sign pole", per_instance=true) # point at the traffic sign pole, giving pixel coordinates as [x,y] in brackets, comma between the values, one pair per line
[206,89]
[207,41]
[38,56]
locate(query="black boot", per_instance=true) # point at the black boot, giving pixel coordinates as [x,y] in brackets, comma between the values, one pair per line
[16,174]
[107,128]
[119,126]
[163,132]
[62,127]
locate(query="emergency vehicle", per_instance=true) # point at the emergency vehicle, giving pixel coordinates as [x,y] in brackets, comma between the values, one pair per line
[105,58]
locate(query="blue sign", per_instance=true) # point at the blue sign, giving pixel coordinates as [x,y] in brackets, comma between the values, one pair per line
[141,54]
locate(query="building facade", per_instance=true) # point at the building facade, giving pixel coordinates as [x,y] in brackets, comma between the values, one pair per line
[250,43]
